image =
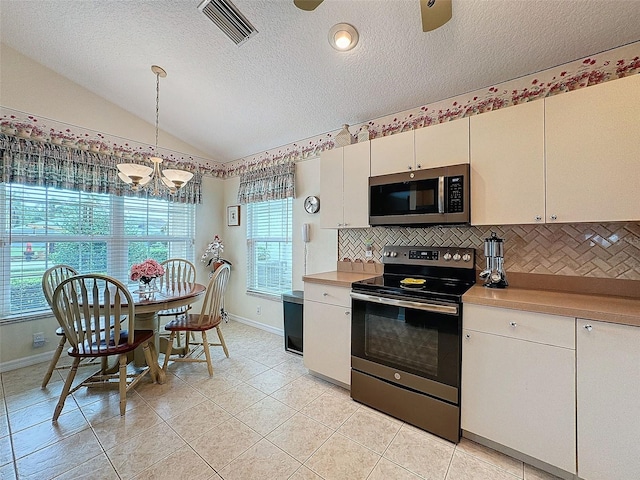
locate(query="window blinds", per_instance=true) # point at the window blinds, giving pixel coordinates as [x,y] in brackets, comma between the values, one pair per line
[269,246]
[92,232]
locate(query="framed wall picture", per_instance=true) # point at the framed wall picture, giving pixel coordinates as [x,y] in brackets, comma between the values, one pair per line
[233,215]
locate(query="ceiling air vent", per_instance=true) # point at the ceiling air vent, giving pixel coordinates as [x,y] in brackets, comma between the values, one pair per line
[227,17]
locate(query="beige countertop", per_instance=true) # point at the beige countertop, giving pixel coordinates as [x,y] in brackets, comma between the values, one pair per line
[607,308]
[340,279]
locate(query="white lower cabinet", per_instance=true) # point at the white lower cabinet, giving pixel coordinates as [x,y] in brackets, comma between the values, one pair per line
[518,382]
[608,400]
[327,331]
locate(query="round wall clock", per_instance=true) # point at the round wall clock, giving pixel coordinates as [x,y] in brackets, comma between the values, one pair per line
[312,204]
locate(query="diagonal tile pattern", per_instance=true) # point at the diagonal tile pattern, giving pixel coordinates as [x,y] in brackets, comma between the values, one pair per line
[602,250]
[251,420]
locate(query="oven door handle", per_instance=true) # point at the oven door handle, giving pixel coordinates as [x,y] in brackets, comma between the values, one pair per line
[428,307]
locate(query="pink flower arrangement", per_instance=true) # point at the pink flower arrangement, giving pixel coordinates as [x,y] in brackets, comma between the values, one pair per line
[146,271]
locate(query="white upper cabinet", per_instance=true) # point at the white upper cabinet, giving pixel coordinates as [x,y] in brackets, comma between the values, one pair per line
[392,154]
[507,166]
[344,187]
[593,153]
[435,146]
[442,145]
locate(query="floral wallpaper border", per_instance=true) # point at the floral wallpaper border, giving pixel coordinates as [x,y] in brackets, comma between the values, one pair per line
[592,70]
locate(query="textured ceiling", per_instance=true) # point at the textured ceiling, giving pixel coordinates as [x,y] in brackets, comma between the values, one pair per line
[286,83]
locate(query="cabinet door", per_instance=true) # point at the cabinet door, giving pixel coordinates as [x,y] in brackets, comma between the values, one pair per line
[443,144]
[592,142]
[392,154]
[608,376]
[356,185]
[327,340]
[331,186]
[521,395]
[507,166]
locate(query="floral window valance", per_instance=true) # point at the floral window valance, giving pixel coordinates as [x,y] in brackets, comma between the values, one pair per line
[31,162]
[261,182]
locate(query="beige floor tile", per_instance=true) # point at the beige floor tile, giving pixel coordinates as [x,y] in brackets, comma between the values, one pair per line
[33,396]
[265,415]
[245,368]
[135,454]
[8,472]
[109,407]
[6,451]
[98,468]
[60,457]
[468,467]
[211,387]
[46,433]
[330,410]
[174,402]
[371,429]
[303,473]
[300,436]
[238,398]
[292,367]
[269,381]
[223,444]
[199,419]
[386,470]
[182,463]
[38,413]
[533,473]
[273,357]
[489,455]
[261,461]
[113,430]
[27,378]
[340,458]
[420,452]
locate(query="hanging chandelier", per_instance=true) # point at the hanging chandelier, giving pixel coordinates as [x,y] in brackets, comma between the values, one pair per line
[141,176]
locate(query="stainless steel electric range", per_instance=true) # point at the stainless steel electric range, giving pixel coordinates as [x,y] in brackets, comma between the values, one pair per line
[406,336]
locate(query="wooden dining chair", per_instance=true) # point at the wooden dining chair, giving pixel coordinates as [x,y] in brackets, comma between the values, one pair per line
[85,305]
[210,317]
[50,280]
[177,270]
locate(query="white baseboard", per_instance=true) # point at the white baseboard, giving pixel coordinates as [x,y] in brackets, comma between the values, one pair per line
[253,323]
[26,361]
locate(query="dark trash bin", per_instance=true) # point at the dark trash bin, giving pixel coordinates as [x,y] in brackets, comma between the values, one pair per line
[293,304]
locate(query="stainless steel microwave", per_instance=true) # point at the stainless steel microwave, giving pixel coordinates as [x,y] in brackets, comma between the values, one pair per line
[433,196]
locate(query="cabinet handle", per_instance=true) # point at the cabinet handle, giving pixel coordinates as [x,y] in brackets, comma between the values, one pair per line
[588,328]
[409,167]
[325,294]
[513,324]
[538,218]
[339,224]
[419,166]
[468,336]
[347,313]
[553,217]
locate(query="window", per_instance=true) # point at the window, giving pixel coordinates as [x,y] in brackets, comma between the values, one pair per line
[269,245]
[92,232]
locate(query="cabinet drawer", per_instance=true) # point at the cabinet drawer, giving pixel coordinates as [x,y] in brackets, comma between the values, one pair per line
[534,327]
[330,294]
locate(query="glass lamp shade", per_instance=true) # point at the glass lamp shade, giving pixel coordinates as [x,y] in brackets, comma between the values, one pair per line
[176,178]
[133,171]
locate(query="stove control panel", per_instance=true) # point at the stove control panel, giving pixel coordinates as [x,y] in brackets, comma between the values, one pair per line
[435,256]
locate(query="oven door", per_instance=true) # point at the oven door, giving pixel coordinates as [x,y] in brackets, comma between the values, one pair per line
[411,343]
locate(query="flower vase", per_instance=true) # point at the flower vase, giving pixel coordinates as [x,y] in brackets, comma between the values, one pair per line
[147,288]
[343,137]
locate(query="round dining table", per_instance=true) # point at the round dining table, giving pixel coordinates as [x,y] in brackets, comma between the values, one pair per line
[165,297]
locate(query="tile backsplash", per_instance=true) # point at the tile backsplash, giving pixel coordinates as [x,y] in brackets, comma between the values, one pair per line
[601,250]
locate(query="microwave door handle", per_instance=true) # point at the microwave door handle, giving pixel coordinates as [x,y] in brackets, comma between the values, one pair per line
[440,194]
[428,307]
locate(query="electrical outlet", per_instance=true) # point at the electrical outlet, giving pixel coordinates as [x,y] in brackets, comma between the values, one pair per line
[258,310]
[39,340]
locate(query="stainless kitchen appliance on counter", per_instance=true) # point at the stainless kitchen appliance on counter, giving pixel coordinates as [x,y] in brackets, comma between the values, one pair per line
[494,275]
[406,336]
[432,196]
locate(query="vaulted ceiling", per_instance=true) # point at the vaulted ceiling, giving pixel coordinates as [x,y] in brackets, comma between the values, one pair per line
[286,83]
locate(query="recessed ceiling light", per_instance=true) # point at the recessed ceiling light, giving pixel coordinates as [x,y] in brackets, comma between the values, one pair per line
[343,37]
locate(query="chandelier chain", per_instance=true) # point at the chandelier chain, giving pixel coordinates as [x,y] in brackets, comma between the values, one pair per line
[157,107]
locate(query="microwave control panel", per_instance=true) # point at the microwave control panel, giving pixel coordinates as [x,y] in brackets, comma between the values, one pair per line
[455,189]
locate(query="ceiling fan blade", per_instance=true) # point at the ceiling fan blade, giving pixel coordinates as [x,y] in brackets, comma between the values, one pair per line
[308,5]
[435,13]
